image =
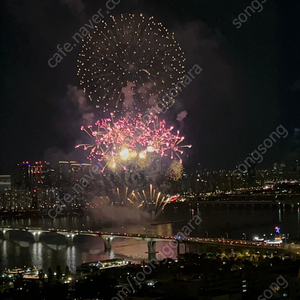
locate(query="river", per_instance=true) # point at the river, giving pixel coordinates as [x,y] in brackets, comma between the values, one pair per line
[235,223]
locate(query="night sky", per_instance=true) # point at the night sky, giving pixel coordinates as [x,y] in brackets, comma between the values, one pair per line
[250,82]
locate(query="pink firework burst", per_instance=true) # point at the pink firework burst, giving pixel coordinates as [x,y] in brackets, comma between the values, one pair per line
[126,140]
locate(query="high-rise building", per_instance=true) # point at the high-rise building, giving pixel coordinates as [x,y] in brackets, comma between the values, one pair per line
[15,200]
[297,136]
[251,175]
[72,170]
[5,182]
[30,175]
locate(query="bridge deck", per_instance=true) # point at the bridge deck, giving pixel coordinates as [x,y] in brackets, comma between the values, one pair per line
[208,241]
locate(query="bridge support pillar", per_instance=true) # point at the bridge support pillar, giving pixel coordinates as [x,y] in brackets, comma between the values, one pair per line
[36,237]
[151,250]
[201,249]
[70,240]
[107,243]
[222,250]
[262,253]
[5,234]
[187,247]
[293,256]
[178,249]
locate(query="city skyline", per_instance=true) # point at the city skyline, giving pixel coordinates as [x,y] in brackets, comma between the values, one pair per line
[150,149]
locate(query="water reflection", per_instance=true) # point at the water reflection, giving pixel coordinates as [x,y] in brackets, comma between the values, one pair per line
[37,255]
[216,222]
[4,257]
[279,215]
[71,258]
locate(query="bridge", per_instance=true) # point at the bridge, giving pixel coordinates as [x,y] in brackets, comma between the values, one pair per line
[248,200]
[70,235]
[236,203]
[203,245]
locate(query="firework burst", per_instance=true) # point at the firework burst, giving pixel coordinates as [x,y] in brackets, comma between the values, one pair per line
[148,199]
[130,141]
[175,171]
[119,197]
[161,139]
[133,53]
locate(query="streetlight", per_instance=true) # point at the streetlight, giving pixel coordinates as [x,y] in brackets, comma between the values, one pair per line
[244,234]
[227,235]
[206,233]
